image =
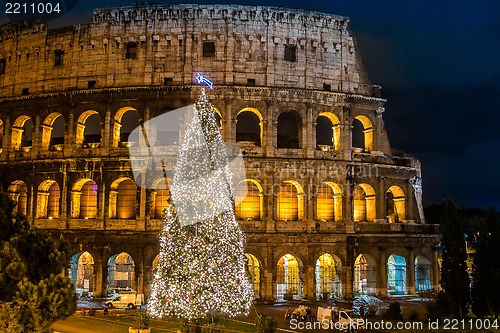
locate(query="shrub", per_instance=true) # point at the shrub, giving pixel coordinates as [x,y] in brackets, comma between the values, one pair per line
[393,312]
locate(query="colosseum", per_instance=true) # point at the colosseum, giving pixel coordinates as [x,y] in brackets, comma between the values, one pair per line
[328,207]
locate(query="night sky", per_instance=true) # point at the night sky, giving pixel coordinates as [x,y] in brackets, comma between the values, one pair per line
[438,65]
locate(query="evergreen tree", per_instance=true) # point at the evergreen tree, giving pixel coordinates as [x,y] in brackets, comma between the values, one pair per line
[34,292]
[485,298]
[201,269]
[454,278]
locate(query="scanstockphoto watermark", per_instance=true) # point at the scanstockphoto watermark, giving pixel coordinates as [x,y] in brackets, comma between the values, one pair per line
[355,325]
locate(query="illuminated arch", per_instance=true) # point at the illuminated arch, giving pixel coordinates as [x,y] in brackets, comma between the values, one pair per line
[81,272]
[289,130]
[334,139]
[327,277]
[123,199]
[422,274]
[21,132]
[364,275]
[249,128]
[367,132]
[395,204]
[48,126]
[396,275]
[253,273]
[159,198]
[18,192]
[81,135]
[290,205]
[121,272]
[288,279]
[118,133]
[249,200]
[364,203]
[84,199]
[329,202]
[48,198]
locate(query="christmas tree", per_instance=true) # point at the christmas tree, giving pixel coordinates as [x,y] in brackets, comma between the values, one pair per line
[201,269]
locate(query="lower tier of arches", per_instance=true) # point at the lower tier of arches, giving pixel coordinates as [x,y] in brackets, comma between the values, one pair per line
[279,266]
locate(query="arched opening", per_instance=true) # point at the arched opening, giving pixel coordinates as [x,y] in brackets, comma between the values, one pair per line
[121,272]
[327,278]
[123,199]
[126,120]
[364,203]
[362,133]
[161,196]
[395,204]
[396,275]
[218,118]
[248,200]
[288,282]
[88,129]
[253,273]
[290,205]
[249,126]
[53,132]
[422,274]
[48,199]
[154,264]
[364,276]
[84,199]
[327,131]
[81,272]
[329,202]
[22,133]
[18,192]
[289,126]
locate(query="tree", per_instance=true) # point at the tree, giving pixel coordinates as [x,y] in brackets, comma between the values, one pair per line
[34,292]
[487,268]
[201,269]
[454,278]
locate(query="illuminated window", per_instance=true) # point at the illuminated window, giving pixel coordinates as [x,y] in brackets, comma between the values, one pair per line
[422,274]
[329,202]
[248,201]
[364,277]
[88,200]
[122,199]
[22,132]
[253,273]
[52,130]
[395,205]
[364,203]
[288,202]
[396,275]
[327,279]
[81,272]
[249,127]
[126,120]
[160,201]
[18,192]
[327,131]
[48,198]
[121,272]
[362,133]
[287,277]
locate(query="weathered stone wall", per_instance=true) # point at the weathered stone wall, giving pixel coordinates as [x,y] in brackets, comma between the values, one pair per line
[249,44]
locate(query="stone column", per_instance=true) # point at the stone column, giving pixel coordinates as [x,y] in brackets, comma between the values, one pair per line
[381,269]
[106,129]
[36,137]
[435,272]
[346,132]
[409,201]
[410,272]
[139,272]
[309,282]
[349,267]
[380,194]
[7,140]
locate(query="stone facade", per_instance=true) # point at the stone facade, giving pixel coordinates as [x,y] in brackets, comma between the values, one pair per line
[359,205]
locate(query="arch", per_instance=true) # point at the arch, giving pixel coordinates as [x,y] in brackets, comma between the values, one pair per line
[84,199]
[88,128]
[126,120]
[253,273]
[289,130]
[249,126]
[123,199]
[364,275]
[328,130]
[18,192]
[395,204]
[48,199]
[327,277]
[364,203]
[52,130]
[249,200]
[290,203]
[121,272]
[422,274]
[288,279]
[366,134]
[81,272]
[22,133]
[160,198]
[396,275]
[329,202]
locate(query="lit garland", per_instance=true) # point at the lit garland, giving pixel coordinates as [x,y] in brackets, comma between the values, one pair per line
[201,269]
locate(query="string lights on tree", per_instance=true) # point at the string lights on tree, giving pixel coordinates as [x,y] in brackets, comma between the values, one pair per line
[201,268]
